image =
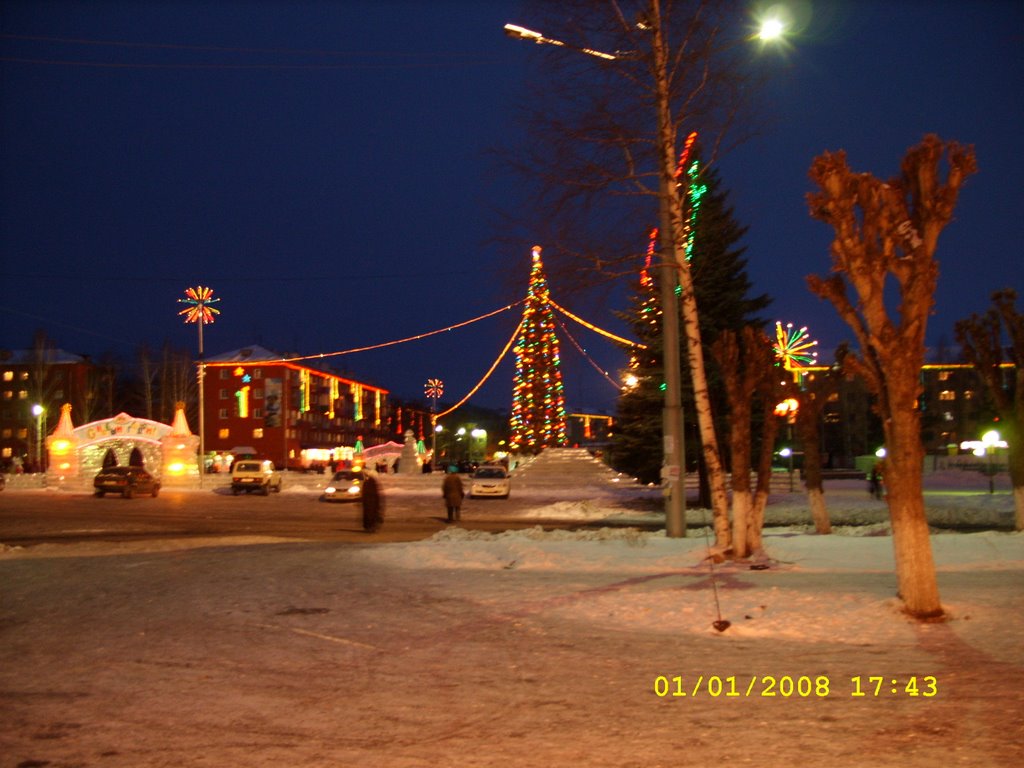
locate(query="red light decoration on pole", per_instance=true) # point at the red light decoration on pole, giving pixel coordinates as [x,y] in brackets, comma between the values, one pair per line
[200,312]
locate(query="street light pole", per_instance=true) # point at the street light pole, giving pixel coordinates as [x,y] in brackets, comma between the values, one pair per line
[38,411]
[673,430]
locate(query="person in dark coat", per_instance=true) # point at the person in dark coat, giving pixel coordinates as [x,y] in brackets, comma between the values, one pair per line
[453,492]
[373,504]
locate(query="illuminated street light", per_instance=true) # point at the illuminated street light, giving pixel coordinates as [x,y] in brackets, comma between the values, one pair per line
[991,441]
[771,29]
[672,431]
[39,412]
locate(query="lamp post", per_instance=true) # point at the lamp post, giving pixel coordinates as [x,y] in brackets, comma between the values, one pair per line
[672,269]
[200,312]
[433,389]
[991,441]
[40,413]
[479,441]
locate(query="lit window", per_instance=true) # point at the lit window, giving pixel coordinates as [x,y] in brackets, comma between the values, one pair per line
[223,434]
[968,394]
[23,394]
[23,375]
[947,394]
[257,433]
[8,375]
[8,433]
[6,453]
[8,395]
[944,375]
[23,433]
[222,413]
[947,415]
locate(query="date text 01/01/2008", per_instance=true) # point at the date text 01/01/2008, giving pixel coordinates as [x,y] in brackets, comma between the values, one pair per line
[802,686]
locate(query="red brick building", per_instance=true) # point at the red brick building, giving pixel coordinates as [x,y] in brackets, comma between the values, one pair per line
[297,414]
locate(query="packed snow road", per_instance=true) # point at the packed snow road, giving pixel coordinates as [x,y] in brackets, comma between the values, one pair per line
[551,490]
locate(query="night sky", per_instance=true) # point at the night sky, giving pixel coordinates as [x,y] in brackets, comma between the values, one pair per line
[327,168]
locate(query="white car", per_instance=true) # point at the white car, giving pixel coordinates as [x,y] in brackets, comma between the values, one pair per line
[490,480]
[346,485]
[254,476]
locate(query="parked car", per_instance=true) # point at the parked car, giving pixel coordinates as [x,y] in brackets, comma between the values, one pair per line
[345,485]
[128,481]
[254,476]
[490,480]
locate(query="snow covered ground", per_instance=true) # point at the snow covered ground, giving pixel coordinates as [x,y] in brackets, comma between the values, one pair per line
[593,647]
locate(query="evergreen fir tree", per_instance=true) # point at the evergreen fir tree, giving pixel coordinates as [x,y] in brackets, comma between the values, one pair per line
[722,290]
[538,398]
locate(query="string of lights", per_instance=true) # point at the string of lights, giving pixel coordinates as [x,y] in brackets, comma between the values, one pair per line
[487,375]
[587,357]
[417,337]
[593,327]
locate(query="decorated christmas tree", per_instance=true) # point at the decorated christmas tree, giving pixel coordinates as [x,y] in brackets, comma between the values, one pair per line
[538,399]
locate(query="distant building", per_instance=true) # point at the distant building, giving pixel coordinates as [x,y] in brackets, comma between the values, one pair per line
[954,404]
[299,415]
[44,377]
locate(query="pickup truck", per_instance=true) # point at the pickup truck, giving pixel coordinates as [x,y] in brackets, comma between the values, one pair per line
[251,476]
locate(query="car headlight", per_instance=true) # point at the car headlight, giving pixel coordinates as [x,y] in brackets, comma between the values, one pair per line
[354,489]
[330,489]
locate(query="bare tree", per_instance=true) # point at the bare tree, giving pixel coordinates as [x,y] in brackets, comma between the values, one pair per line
[147,372]
[614,130]
[890,230]
[982,341]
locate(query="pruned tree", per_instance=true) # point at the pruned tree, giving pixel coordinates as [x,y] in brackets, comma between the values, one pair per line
[981,338]
[889,231]
[812,396]
[745,360]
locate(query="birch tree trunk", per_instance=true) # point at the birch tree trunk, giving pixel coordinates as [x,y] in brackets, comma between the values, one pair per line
[688,301]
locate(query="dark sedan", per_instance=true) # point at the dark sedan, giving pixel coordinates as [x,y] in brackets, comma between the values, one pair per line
[128,481]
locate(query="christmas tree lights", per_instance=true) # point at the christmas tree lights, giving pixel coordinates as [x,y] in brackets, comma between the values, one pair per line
[538,398]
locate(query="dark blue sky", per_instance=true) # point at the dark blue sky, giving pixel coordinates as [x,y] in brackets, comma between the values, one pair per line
[324,167]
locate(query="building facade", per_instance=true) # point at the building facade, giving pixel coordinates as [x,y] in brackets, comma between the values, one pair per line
[34,385]
[298,415]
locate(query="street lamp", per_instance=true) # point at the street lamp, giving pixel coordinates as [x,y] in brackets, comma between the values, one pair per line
[200,312]
[673,468]
[39,412]
[991,441]
[479,441]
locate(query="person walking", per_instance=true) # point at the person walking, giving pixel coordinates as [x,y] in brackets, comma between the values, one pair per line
[453,492]
[373,504]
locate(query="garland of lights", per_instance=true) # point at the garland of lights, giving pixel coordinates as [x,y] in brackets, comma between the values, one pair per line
[487,375]
[588,358]
[593,327]
[417,337]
